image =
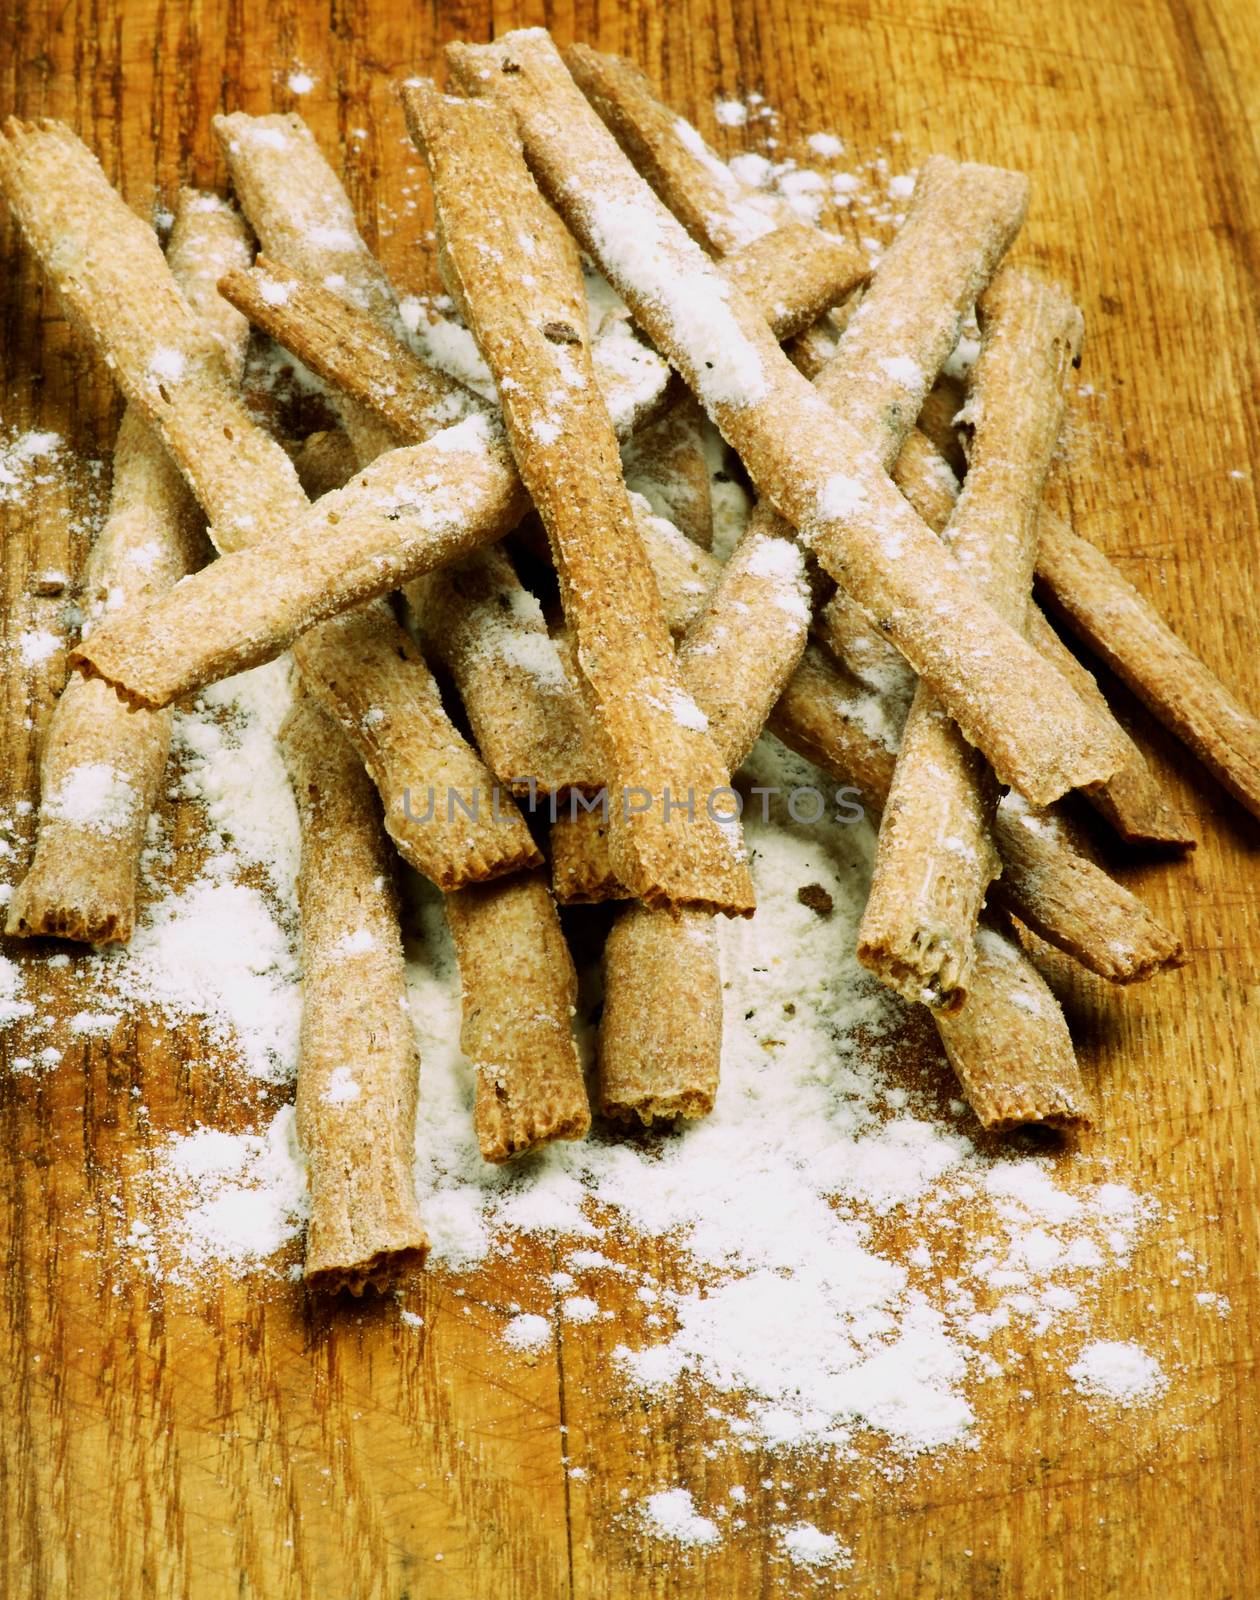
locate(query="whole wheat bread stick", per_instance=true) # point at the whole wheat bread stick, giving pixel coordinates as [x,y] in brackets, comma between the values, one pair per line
[350,351]
[816,471]
[113,281]
[660,1035]
[480,622]
[1131,800]
[802,271]
[1010,1046]
[519,991]
[443,809]
[101,762]
[1075,905]
[935,856]
[358,1066]
[495,229]
[1124,629]
[698,187]
[325,461]
[302,216]
[439,501]
[667,465]
[117,283]
[959,223]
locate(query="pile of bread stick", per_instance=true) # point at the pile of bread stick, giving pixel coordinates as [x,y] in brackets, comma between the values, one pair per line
[877,615]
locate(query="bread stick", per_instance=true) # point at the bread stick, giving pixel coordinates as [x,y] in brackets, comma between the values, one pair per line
[1010,1046]
[935,857]
[814,469]
[802,271]
[495,231]
[101,762]
[358,1066]
[660,1035]
[1075,905]
[113,281]
[666,464]
[1124,629]
[351,351]
[519,992]
[443,809]
[487,630]
[1132,799]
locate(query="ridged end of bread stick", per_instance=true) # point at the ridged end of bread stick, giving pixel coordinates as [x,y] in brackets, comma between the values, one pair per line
[1010,1046]
[660,1037]
[443,809]
[519,989]
[358,1066]
[935,860]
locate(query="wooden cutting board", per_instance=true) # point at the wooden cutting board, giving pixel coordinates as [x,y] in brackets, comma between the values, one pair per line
[247,1444]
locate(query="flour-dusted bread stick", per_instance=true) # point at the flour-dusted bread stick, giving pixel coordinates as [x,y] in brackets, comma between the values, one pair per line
[479,621]
[668,841]
[409,511]
[935,857]
[112,278]
[742,648]
[325,461]
[814,469]
[667,465]
[102,762]
[1132,799]
[1075,905]
[519,991]
[1124,629]
[1010,1046]
[443,809]
[358,1065]
[302,216]
[959,223]
[350,351]
[660,1035]
[802,271]
[698,187]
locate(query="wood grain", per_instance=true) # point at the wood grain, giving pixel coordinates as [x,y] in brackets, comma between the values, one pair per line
[242,1443]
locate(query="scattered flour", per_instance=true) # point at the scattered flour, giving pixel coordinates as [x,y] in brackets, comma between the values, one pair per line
[672,1514]
[1118,1371]
[806,1545]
